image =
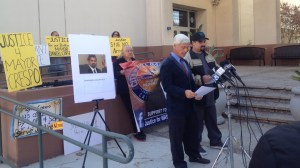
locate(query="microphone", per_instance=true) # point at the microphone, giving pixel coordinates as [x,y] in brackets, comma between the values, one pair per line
[228,66]
[220,76]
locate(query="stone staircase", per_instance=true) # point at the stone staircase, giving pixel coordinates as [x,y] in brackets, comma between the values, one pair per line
[268,105]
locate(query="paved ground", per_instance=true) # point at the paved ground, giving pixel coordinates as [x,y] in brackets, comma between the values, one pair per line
[155,152]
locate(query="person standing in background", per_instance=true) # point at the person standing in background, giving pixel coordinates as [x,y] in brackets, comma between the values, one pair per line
[115,34]
[178,83]
[201,64]
[56,70]
[122,87]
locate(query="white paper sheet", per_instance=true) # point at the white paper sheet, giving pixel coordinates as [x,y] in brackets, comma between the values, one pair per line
[203,90]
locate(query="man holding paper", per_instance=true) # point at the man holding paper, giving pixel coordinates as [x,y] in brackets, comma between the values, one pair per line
[201,64]
[178,83]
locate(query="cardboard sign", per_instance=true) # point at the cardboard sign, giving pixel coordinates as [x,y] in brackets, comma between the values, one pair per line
[42,54]
[19,61]
[116,45]
[57,125]
[58,46]
[22,129]
[79,133]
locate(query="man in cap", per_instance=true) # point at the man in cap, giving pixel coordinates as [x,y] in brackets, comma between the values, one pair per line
[201,64]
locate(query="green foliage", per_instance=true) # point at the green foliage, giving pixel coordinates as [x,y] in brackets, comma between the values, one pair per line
[297,75]
[217,53]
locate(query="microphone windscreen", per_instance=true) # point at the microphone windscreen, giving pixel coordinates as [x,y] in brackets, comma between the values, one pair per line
[210,72]
[223,63]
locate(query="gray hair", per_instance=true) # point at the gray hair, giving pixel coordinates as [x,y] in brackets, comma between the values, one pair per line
[181,39]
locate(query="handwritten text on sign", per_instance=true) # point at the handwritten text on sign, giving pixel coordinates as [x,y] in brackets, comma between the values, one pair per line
[19,61]
[116,45]
[58,46]
[42,54]
[21,129]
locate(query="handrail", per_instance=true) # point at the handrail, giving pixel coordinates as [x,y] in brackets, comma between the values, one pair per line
[105,134]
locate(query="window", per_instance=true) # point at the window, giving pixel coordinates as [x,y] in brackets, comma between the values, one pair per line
[184,21]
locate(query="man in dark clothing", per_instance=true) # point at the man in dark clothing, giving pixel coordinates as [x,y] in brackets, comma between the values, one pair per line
[278,148]
[179,85]
[201,64]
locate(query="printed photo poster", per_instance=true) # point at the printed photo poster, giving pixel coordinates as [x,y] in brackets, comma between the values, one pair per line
[92,69]
[58,46]
[116,45]
[146,94]
[19,61]
[42,54]
[20,129]
[79,133]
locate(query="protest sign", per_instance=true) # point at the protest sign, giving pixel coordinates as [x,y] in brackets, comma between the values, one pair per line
[21,129]
[78,133]
[116,45]
[19,61]
[58,46]
[146,95]
[42,54]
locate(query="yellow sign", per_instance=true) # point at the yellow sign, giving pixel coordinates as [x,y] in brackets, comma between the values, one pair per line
[116,45]
[57,125]
[19,61]
[58,46]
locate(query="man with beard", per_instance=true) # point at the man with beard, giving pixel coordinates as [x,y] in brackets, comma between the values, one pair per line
[91,67]
[201,64]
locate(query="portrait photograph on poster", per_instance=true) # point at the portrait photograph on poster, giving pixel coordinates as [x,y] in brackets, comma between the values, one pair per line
[92,63]
[92,69]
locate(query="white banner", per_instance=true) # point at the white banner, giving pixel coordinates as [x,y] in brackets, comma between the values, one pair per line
[42,54]
[79,133]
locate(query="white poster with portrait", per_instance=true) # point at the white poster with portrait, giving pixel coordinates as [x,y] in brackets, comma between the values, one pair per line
[92,68]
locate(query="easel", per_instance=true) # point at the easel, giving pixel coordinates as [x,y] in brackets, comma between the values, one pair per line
[89,133]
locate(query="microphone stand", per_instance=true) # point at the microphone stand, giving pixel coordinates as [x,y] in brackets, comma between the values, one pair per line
[230,138]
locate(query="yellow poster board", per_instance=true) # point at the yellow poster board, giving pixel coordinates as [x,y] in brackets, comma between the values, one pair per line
[58,46]
[19,61]
[116,45]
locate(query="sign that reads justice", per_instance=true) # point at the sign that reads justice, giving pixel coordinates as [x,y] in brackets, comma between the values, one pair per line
[116,45]
[58,46]
[19,61]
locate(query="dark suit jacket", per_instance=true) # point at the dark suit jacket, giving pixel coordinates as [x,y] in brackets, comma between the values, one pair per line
[175,82]
[84,69]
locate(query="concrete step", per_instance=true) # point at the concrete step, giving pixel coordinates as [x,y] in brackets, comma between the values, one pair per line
[272,105]
[261,116]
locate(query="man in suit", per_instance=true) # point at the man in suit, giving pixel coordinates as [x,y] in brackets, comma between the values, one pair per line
[91,67]
[179,85]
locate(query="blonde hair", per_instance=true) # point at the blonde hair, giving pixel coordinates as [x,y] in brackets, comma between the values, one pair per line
[123,50]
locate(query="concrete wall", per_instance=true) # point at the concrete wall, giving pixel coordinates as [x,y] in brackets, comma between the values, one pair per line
[266,22]
[232,22]
[41,17]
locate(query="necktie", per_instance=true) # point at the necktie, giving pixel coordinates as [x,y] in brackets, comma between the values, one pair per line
[184,67]
[94,70]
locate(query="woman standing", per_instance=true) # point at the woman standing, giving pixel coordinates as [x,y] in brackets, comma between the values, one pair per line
[122,87]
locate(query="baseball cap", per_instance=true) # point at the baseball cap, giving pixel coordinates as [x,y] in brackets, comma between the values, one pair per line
[199,36]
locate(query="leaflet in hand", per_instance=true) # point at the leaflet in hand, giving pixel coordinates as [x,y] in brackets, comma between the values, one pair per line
[203,90]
